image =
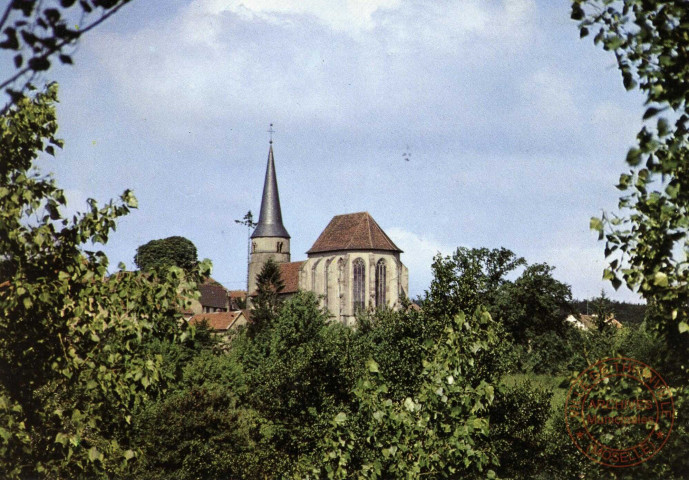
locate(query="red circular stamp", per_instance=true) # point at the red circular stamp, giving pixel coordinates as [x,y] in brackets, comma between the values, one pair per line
[619,412]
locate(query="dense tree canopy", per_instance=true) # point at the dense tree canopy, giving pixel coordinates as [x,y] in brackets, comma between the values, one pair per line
[269,284]
[171,251]
[468,279]
[535,303]
[73,339]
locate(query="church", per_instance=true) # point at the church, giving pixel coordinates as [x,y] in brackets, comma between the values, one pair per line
[352,266]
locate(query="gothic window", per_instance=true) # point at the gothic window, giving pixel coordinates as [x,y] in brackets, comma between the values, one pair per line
[313,277]
[253,247]
[279,247]
[325,284]
[381,283]
[359,285]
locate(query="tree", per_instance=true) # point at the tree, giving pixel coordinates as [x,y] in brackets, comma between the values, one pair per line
[295,376]
[73,339]
[603,311]
[35,33]
[647,245]
[468,279]
[533,304]
[438,431]
[199,428]
[167,252]
[269,284]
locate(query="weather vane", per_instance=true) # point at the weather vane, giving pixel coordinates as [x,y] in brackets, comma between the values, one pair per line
[271,131]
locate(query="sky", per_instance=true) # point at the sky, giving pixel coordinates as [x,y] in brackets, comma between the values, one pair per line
[475,123]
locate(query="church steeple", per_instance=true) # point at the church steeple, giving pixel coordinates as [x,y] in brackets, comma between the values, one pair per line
[270,218]
[270,239]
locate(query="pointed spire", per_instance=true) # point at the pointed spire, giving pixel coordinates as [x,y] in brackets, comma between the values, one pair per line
[270,218]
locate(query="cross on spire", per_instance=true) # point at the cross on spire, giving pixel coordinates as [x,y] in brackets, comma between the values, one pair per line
[271,131]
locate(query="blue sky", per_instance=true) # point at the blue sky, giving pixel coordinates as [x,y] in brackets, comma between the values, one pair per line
[516,131]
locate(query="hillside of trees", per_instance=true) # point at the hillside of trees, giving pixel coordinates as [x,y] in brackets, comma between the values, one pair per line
[627,313]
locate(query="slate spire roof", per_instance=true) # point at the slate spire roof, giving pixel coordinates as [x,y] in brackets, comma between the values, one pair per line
[270,218]
[353,231]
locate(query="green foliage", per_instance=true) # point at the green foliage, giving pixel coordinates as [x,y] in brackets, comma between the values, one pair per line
[167,252]
[517,429]
[467,280]
[266,303]
[534,304]
[439,431]
[603,311]
[648,244]
[199,429]
[73,340]
[627,313]
[395,341]
[36,33]
[296,375]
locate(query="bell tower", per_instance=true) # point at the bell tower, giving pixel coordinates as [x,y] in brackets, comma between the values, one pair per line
[270,239]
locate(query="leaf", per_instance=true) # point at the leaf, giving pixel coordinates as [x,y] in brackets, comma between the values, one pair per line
[39,64]
[634,157]
[663,127]
[683,327]
[650,112]
[372,366]
[660,279]
[596,224]
[577,12]
[66,59]
[340,418]
[94,454]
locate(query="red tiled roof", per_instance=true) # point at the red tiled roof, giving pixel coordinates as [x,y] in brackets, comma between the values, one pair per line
[216,320]
[237,293]
[353,231]
[213,294]
[290,275]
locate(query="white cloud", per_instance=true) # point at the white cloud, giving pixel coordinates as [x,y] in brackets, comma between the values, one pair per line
[419,251]
[349,61]
[340,15]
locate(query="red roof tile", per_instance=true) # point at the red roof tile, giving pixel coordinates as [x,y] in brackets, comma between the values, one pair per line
[290,275]
[354,231]
[213,294]
[216,320]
